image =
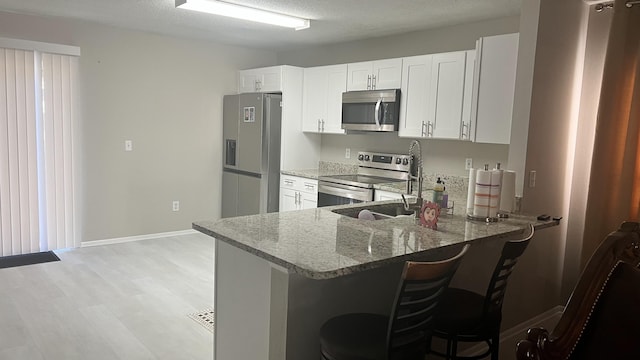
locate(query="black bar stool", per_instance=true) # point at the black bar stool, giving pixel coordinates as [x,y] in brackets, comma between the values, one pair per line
[470,317]
[404,334]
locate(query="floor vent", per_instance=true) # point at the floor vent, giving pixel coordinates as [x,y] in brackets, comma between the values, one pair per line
[204,318]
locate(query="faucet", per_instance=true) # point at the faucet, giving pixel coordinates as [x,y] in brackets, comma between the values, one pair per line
[417,165]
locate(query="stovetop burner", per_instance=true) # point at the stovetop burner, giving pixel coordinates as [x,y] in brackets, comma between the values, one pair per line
[357,180]
[374,168]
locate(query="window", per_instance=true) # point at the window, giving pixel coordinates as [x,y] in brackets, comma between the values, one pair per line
[37,115]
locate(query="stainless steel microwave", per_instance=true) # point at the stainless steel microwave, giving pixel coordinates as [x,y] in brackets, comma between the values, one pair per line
[371,110]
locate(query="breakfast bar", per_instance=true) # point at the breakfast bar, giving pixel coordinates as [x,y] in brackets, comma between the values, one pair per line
[279,276]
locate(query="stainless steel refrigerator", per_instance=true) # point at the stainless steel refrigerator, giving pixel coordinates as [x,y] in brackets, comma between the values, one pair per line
[251,172]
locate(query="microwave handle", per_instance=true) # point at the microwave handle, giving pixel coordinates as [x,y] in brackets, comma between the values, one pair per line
[377,113]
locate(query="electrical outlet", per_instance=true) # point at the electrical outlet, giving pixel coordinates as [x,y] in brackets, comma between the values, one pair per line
[128,145]
[176,205]
[347,153]
[468,163]
[532,178]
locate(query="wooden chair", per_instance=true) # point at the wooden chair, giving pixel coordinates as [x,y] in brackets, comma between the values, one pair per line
[403,334]
[471,317]
[602,317]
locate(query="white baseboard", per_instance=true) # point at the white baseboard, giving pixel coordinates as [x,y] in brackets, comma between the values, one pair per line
[517,332]
[137,238]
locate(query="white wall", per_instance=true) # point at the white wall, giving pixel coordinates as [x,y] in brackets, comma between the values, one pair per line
[441,156]
[164,94]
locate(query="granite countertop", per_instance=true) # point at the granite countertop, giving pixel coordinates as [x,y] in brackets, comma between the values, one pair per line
[320,244]
[324,168]
[456,185]
[305,173]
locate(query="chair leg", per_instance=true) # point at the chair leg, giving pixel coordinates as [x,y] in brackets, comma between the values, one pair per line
[454,349]
[495,347]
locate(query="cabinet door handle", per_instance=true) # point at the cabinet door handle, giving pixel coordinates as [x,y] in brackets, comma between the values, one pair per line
[464,132]
[373,83]
[298,198]
[369,82]
[319,130]
[288,182]
[422,131]
[322,125]
[258,85]
[430,129]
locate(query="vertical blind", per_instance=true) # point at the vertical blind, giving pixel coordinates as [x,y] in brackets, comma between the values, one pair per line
[58,86]
[36,147]
[18,157]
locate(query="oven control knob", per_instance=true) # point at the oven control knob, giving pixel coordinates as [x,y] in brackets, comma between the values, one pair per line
[366,158]
[398,161]
[360,157]
[405,161]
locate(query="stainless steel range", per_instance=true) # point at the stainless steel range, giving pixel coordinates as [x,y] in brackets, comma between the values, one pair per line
[373,168]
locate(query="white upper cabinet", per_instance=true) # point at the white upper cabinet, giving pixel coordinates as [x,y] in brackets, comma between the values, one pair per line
[468,130]
[494,87]
[267,79]
[375,75]
[322,99]
[416,79]
[433,96]
[446,95]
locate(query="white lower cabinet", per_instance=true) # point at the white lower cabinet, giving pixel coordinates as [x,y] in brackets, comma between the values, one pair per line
[297,193]
[381,195]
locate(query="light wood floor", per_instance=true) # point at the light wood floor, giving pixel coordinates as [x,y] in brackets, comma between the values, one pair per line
[122,301]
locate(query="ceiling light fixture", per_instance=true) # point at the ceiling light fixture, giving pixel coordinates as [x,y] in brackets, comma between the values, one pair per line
[243,12]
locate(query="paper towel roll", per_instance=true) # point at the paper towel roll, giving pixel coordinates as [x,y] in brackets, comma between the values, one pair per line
[471,191]
[508,192]
[496,185]
[482,197]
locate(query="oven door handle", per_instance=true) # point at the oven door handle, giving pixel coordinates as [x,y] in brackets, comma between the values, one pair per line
[345,191]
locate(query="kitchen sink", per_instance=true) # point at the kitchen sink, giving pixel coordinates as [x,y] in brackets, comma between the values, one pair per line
[379,211]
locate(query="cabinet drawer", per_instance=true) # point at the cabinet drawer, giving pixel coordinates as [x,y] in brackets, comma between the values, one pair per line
[299,184]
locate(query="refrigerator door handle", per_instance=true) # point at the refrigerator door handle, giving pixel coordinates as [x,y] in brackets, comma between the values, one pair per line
[230,152]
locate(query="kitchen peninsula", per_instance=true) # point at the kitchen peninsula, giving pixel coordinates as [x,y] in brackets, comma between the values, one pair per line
[279,276]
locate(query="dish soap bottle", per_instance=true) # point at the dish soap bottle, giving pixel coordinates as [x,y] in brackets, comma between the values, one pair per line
[438,191]
[445,197]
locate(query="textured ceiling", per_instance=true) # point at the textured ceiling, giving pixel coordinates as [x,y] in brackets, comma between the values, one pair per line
[331,20]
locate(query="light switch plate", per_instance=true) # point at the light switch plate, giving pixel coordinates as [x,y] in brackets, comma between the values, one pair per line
[532,178]
[128,145]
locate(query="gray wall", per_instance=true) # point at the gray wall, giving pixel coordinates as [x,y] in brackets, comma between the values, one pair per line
[556,96]
[595,51]
[441,156]
[451,38]
[164,94]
